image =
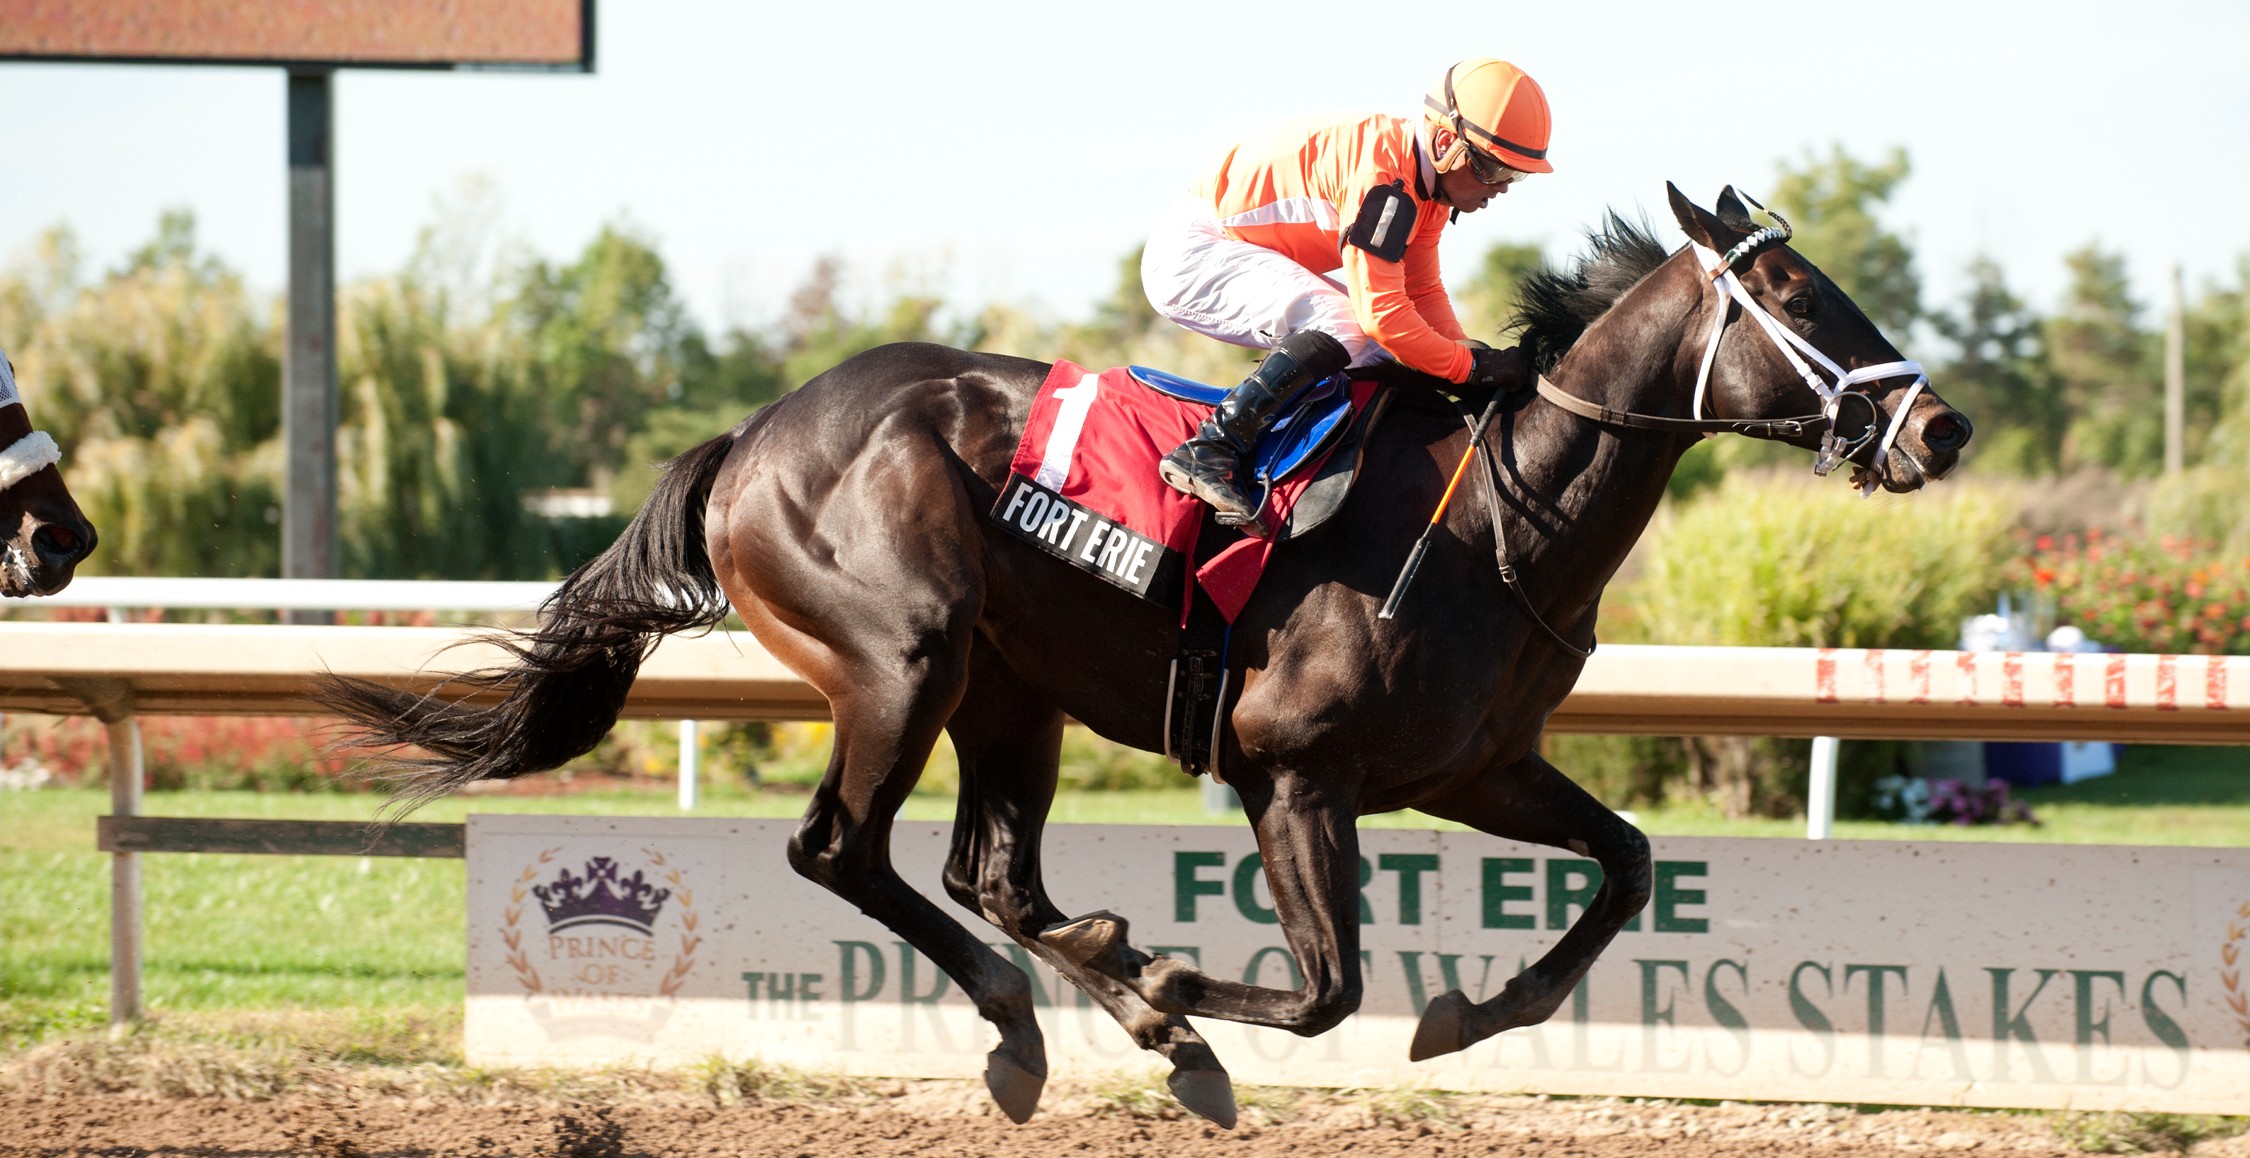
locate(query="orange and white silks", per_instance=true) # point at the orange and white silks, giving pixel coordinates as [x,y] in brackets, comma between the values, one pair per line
[1241,258]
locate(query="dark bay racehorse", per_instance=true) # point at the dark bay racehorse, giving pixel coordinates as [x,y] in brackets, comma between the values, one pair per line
[42,533]
[847,524]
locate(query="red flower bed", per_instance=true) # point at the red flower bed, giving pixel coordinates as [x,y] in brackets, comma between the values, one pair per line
[2163,595]
[266,753]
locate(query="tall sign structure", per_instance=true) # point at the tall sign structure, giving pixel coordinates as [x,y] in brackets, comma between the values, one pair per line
[311,39]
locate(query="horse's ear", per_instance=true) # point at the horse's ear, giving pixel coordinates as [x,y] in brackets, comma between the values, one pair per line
[1700,226]
[1733,212]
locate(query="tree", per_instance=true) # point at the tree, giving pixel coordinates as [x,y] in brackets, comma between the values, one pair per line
[606,347]
[1832,202]
[2106,369]
[1486,302]
[164,388]
[2000,377]
[2205,500]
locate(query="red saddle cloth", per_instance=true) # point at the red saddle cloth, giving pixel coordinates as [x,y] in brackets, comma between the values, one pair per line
[1083,487]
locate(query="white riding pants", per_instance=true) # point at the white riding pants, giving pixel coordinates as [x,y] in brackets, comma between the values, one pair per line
[1244,294]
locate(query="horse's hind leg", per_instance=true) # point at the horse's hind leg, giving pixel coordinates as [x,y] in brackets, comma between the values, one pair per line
[883,738]
[1531,801]
[1008,741]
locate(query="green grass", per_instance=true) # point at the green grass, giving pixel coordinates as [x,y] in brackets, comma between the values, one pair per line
[373,945]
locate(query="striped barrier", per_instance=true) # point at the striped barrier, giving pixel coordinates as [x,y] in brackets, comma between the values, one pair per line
[1638,690]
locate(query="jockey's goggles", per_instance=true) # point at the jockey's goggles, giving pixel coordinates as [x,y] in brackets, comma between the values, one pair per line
[1491,170]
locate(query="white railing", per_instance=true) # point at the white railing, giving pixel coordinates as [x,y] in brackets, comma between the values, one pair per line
[114,671]
[298,594]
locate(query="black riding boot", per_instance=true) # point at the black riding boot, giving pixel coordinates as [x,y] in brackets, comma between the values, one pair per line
[1212,466]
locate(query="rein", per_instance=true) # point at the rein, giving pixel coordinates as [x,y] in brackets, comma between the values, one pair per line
[1482,448]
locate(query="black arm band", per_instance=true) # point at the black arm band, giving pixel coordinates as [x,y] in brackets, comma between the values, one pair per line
[1385,222]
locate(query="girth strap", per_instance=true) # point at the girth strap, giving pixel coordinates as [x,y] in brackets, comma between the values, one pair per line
[1775,428]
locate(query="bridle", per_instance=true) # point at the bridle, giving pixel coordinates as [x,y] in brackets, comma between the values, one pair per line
[1834,450]
[1847,384]
[32,453]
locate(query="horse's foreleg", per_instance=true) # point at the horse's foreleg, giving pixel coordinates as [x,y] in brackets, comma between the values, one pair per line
[1008,742]
[1307,838]
[1530,801]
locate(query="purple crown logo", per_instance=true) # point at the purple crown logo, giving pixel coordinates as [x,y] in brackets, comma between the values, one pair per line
[601,898]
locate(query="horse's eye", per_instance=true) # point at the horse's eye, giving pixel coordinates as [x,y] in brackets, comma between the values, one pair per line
[1799,306]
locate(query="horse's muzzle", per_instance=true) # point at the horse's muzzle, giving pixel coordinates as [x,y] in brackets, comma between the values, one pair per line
[1928,448]
[44,555]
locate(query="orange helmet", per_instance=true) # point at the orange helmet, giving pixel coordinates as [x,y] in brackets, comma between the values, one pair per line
[1491,106]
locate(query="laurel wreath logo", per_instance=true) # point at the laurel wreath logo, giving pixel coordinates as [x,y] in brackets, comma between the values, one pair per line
[512,916]
[2230,972]
[511,932]
[689,939]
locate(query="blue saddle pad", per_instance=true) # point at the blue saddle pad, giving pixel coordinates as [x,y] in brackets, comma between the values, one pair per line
[1293,440]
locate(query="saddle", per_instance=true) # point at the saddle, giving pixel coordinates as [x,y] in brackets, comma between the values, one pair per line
[1083,488]
[1322,432]
[1319,422]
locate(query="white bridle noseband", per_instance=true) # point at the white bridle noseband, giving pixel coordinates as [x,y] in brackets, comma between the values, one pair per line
[32,453]
[1833,449]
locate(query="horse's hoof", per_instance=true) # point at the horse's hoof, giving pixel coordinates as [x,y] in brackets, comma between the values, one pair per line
[1087,938]
[1441,1028]
[1207,1092]
[1015,1088]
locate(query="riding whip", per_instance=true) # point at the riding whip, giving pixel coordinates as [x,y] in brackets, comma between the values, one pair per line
[1422,545]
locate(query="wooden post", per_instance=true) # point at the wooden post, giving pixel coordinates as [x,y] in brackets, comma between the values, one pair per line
[2175,380]
[125,768]
[111,701]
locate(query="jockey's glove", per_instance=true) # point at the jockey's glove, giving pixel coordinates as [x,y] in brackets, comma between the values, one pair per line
[1500,371]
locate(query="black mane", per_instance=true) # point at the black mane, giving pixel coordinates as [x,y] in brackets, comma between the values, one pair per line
[1554,306]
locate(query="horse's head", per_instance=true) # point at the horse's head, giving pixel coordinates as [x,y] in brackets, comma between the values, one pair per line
[42,533]
[1798,343]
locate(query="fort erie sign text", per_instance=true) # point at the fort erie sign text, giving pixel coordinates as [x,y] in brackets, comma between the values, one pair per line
[1857,971]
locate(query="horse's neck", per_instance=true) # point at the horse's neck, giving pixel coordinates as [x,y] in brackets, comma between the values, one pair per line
[1600,485]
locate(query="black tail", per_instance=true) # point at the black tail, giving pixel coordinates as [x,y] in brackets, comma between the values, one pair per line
[563,693]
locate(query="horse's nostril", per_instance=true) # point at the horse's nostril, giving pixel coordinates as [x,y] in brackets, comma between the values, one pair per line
[1946,431]
[53,540]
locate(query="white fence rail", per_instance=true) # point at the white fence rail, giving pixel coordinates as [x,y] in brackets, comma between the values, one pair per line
[298,594]
[1654,691]
[115,670]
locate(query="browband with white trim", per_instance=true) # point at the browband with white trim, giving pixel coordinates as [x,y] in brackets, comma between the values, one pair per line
[32,453]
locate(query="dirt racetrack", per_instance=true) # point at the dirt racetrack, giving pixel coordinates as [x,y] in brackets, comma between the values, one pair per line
[948,1120]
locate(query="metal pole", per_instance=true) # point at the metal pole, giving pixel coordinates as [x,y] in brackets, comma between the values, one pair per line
[308,507]
[1820,802]
[2175,380]
[1219,799]
[691,762]
[124,875]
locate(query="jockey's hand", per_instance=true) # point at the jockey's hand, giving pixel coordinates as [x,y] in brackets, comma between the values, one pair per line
[1501,371]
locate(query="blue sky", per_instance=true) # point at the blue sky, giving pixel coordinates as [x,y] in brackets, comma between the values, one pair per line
[1016,151]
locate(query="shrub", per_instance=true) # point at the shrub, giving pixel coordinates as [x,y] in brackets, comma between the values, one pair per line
[2167,594]
[1766,560]
[1090,763]
[1770,560]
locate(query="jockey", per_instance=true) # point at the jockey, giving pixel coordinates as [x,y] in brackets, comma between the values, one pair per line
[1242,257]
